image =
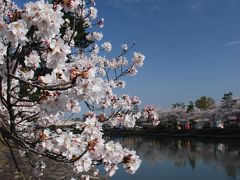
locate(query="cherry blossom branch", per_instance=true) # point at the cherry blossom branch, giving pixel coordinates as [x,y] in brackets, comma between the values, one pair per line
[59,87]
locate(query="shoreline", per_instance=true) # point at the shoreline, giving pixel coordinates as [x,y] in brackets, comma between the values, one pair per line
[194,133]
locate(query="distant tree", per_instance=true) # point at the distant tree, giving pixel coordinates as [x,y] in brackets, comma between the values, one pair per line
[204,103]
[172,121]
[190,107]
[227,96]
[149,112]
[228,101]
[178,105]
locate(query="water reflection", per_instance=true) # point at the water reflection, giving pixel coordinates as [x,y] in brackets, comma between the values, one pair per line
[222,156]
[163,158]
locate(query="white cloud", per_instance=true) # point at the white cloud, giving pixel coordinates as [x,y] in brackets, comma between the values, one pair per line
[232,43]
[197,6]
[154,8]
[126,3]
[136,1]
[137,8]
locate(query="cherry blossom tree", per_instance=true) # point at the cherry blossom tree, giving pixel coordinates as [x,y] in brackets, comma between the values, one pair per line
[52,64]
[150,114]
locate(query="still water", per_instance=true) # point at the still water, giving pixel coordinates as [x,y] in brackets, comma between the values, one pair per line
[162,159]
[182,159]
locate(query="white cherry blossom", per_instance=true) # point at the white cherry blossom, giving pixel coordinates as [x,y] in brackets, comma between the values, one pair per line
[46,74]
[16,33]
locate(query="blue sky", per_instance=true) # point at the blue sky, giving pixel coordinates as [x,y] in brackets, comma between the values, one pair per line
[192,47]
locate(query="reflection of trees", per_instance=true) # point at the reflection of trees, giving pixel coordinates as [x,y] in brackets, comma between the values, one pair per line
[224,155]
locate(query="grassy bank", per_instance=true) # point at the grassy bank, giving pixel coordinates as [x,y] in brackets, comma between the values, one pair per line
[192,133]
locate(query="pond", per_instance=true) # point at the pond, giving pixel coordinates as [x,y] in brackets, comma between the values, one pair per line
[182,159]
[162,159]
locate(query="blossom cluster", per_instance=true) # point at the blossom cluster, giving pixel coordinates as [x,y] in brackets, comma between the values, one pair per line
[151,115]
[46,73]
